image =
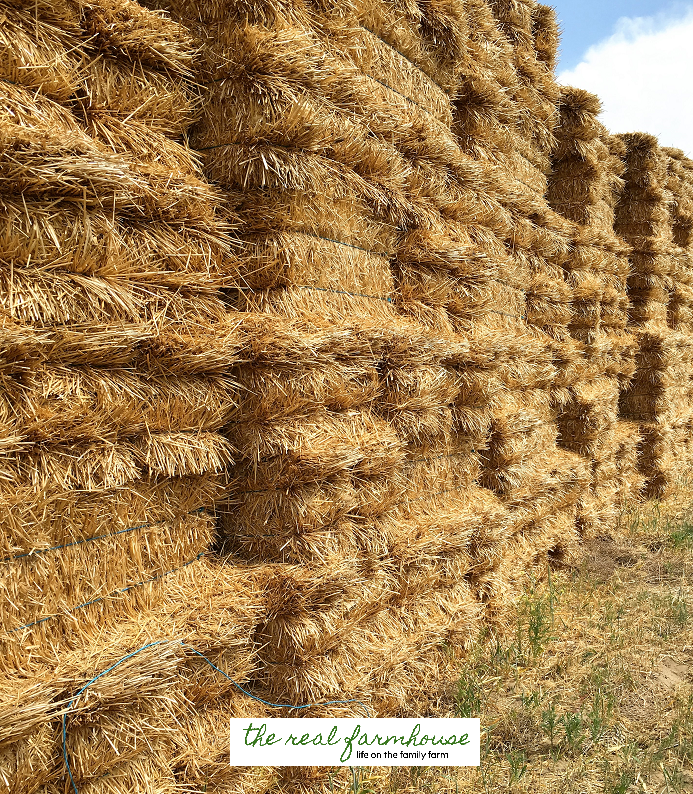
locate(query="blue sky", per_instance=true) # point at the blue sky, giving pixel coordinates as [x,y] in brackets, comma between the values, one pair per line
[637,56]
[586,22]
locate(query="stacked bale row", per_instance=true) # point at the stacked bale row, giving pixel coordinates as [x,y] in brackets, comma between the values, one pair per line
[143,726]
[337,180]
[115,346]
[680,306]
[584,186]
[653,221]
[112,256]
[504,117]
[413,359]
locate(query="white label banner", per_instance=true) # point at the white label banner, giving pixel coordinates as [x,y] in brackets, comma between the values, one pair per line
[293,741]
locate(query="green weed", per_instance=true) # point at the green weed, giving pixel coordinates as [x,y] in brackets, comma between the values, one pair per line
[598,716]
[573,729]
[468,697]
[518,765]
[357,784]
[549,723]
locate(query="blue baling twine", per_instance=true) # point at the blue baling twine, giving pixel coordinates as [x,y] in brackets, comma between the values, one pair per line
[211,664]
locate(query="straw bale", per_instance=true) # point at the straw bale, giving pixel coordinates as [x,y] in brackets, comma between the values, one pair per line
[559,480]
[527,172]
[60,237]
[300,638]
[269,396]
[306,524]
[124,28]
[406,643]
[60,404]
[38,55]
[112,89]
[66,516]
[61,581]
[307,483]
[119,743]
[310,448]
[552,539]
[49,157]
[586,422]
[285,260]
[46,153]
[656,459]
[96,466]
[149,773]
[514,17]
[34,297]
[377,43]
[156,681]
[446,467]
[186,350]
[517,436]
[448,533]
[598,510]
[545,30]
[429,37]
[417,402]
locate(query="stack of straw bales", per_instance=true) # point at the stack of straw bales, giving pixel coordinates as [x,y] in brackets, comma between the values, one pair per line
[115,348]
[680,186]
[505,113]
[112,257]
[379,312]
[361,218]
[143,726]
[584,186]
[653,216]
[680,308]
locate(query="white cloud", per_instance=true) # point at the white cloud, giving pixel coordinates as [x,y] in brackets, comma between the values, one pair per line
[643,74]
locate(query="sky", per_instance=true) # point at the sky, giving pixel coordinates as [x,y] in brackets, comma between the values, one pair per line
[637,55]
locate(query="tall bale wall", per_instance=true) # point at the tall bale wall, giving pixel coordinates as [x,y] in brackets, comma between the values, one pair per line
[659,395]
[115,352]
[505,113]
[397,460]
[584,186]
[313,399]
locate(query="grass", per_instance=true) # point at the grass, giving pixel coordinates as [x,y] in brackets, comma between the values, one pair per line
[593,691]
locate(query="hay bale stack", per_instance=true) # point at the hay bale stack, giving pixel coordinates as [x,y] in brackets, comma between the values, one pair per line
[130,728]
[505,113]
[114,256]
[116,346]
[680,186]
[584,186]
[374,199]
[337,161]
[679,310]
[531,30]
[659,397]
